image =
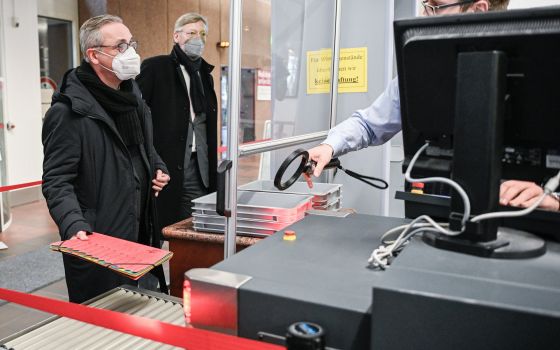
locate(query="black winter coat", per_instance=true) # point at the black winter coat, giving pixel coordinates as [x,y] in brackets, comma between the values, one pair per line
[165,91]
[88,179]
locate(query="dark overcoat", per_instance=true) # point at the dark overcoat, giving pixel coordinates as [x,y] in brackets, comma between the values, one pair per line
[164,89]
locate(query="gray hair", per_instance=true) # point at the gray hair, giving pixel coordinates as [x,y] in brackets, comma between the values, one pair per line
[190,17]
[90,33]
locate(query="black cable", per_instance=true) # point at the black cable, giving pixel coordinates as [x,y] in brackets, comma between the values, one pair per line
[384,185]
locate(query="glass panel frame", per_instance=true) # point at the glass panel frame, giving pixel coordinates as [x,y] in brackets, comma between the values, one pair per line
[295,106]
[5,215]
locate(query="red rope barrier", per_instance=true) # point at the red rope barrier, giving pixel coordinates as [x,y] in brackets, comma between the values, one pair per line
[18,186]
[193,339]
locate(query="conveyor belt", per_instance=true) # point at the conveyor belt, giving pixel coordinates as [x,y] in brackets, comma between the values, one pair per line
[63,333]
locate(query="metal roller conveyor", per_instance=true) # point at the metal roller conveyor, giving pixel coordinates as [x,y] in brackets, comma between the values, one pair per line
[69,332]
[166,313]
[91,340]
[64,333]
[58,325]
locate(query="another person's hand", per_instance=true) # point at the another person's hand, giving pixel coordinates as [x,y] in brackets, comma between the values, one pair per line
[524,194]
[160,181]
[322,155]
[81,235]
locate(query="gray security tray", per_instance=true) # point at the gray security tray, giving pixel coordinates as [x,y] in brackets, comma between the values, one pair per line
[334,205]
[216,219]
[322,192]
[261,203]
[242,231]
[249,223]
[241,214]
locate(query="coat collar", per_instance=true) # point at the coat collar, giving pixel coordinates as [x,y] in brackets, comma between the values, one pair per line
[82,102]
[80,99]
[204,66]
[72,90]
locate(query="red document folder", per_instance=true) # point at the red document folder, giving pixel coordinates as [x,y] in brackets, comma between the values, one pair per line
[131,259]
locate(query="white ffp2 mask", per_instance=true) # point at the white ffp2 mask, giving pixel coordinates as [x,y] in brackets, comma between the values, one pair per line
[126,65]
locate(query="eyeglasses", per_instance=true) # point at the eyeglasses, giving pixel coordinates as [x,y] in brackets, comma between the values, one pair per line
[431,10]
[122,47]
[202,34]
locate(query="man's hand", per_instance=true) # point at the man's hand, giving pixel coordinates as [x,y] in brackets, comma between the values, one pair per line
[81,235]
[524,194]
[160,181]
[322,155]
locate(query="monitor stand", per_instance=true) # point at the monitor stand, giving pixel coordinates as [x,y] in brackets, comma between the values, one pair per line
[477,162]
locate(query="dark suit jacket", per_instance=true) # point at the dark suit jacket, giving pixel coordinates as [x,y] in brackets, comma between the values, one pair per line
[164,90]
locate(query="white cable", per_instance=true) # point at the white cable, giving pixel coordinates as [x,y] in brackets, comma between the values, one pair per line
[551,186]
[456,186]
[510,214]
[380,256]
[400,228]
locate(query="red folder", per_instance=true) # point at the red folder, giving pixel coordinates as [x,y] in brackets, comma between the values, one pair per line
[131,259]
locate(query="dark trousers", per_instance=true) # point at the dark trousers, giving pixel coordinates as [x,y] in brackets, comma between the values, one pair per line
[192,187]
[86,280]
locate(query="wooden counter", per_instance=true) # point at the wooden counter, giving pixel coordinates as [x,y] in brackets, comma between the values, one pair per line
[192,249]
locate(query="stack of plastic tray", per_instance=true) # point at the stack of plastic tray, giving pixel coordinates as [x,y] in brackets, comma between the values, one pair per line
[325,196]
[258,213]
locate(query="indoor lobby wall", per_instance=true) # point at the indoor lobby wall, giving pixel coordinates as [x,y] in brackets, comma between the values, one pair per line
[151,22]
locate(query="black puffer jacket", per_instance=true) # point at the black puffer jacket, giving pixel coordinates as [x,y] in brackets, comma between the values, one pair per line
[88,177]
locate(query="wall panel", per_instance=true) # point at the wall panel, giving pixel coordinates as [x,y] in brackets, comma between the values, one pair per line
[147,20]
[151,23]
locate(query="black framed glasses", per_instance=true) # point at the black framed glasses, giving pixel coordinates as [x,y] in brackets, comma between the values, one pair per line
[122,47]
[431,10]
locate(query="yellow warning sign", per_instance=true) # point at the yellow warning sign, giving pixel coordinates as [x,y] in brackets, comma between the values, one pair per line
[352,70]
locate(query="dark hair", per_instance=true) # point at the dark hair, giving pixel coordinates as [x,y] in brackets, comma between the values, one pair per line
[493,5]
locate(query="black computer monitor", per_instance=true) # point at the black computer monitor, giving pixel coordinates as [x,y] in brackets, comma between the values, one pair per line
[484,90]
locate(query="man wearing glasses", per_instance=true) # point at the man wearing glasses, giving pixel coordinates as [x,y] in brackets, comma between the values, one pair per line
[379,122]
[180,92]
[100,169]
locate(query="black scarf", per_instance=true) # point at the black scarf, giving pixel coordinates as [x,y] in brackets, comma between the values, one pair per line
[196,93]
[121,104]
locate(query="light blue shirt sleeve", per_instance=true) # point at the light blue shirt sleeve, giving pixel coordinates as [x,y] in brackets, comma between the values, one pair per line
[374,125]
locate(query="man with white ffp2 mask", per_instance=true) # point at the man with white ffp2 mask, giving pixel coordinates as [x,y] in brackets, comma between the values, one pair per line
[100,169]
[180,92]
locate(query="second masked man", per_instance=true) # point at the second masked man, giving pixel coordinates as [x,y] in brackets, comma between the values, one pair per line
[180,92]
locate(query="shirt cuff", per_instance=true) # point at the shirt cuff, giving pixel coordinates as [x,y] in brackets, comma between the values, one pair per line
[336,143]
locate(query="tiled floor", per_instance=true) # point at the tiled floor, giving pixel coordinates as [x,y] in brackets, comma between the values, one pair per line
[31,228]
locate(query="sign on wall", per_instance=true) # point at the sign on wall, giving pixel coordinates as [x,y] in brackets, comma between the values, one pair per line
[263,84]
[352,70]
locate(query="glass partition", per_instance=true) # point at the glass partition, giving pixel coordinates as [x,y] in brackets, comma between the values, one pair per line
[285,77]
[310,64]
